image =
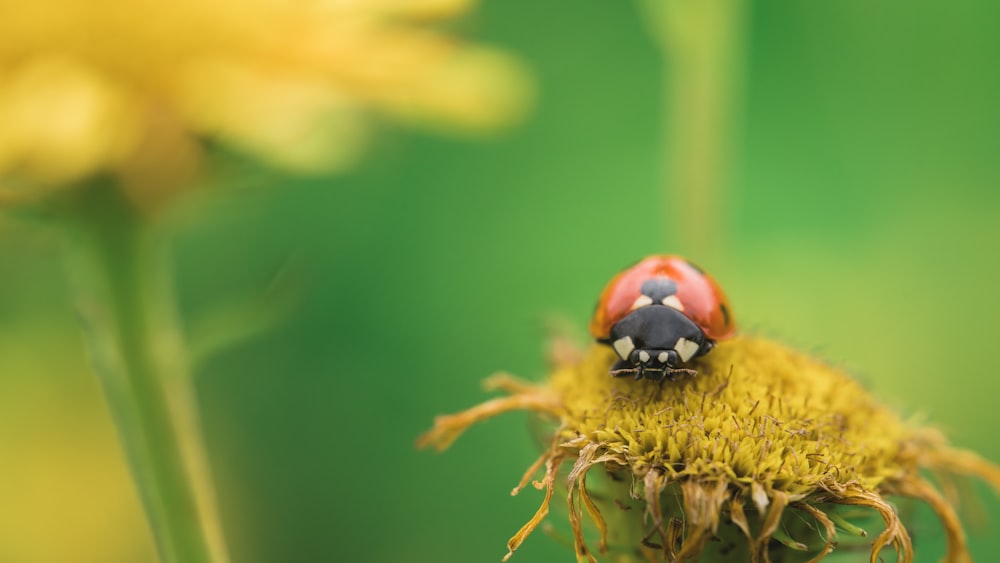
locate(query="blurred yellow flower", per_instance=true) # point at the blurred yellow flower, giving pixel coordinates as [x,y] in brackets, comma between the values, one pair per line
[134,88]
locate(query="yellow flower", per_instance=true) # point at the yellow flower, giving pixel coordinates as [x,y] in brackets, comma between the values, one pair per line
[763,444]
[134,88]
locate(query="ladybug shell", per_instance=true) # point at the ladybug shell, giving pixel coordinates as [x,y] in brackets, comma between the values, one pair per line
[702,299]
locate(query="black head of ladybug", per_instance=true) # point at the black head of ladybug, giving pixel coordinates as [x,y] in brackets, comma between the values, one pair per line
[655,341]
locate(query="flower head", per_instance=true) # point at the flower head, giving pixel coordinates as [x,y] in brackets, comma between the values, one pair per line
[764,449]
[136,88]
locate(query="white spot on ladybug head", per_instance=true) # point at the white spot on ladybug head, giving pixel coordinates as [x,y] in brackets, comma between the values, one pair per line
[642,301]
[624,346]
[643,356]
[674,302]
[686,349]
[663,357]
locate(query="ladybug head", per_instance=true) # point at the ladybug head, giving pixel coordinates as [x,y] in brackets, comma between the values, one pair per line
[655,340]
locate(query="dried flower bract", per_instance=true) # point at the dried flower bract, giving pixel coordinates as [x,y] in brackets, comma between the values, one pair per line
[767,454]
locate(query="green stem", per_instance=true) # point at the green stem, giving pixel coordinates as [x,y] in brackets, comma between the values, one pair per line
[702,45]
[120,271]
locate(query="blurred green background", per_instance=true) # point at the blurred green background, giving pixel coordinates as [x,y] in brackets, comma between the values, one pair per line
[863,224]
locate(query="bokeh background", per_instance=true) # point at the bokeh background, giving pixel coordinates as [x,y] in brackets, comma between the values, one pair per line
[862,223]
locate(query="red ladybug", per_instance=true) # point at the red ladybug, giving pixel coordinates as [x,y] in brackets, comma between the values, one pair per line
[658,315]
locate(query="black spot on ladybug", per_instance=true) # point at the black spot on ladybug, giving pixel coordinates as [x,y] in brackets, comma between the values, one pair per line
[659,289]
[696,267]
[725,313]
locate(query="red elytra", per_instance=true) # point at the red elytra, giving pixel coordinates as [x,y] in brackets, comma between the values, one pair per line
[699,294]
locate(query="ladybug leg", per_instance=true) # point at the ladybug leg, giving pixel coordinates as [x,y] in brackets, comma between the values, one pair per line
[656,392]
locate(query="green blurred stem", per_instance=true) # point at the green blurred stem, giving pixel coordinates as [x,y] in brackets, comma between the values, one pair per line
[702,42]
[121,273]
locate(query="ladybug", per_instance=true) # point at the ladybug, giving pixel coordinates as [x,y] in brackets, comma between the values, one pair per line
[658,315]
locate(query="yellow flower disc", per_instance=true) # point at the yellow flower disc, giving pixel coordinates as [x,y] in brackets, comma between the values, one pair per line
[764,442]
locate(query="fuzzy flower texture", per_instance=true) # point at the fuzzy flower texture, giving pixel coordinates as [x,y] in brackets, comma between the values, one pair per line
[135,88]
[765,455]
